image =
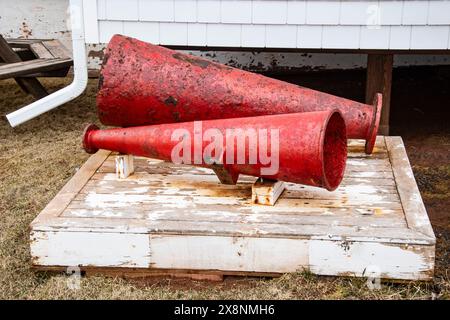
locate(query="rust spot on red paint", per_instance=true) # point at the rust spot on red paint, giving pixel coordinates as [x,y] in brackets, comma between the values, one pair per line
[171,101]
[199,62]
[105,59]
[100,81]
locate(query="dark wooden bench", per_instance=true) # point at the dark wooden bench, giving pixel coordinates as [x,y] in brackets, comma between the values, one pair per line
[26,59]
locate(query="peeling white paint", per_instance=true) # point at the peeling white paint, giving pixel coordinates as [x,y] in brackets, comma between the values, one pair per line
[91,249]
[328,257]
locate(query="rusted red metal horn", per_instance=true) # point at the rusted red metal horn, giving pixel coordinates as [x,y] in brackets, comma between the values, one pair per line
[142,84]
[308,148]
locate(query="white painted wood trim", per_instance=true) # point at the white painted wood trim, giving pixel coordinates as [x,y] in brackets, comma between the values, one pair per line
[232,254]
[82,249]
[57,205]
[415,212]
[91,31]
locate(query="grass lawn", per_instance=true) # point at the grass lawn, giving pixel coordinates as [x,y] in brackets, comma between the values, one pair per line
[39,157]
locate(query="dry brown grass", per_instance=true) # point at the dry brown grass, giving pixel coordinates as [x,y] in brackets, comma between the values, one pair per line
[37,159]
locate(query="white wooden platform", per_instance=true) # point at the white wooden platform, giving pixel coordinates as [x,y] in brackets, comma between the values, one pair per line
[179,220]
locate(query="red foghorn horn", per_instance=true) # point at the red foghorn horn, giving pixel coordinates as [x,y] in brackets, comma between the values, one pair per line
[308,148]
[143,84]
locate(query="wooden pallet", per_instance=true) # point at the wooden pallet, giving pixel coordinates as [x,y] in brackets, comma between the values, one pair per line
[178,220]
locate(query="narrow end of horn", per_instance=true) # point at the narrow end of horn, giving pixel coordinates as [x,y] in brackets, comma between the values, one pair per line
[87,146]
[373,131]
[334,151]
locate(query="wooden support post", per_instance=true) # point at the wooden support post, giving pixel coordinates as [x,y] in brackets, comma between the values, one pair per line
[266,191]
[379,79]
[29,85]
[124,166]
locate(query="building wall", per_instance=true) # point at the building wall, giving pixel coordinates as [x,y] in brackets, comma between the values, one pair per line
[312,24]
[48,19]
[35,19]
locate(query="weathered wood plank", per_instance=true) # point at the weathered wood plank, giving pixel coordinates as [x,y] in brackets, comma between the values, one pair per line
[182,252]
[100,249]
[415,212]
[55,207]
[223,214]
[108,179]
[57,49]
[242,192]
[140,273]
[32,85]
[379,80]
[282,208]
[101,200]
[22,43]
[145,165]
[18,69]
[379,143]
[40,51]
[374,260]
[205,228]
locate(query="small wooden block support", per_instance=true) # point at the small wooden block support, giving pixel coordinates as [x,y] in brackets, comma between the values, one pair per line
[267,192]
[379,80]
[124,166]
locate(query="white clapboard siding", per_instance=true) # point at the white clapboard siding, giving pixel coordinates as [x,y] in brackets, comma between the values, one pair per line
[309,37]
[197,34]
[439,13]
[253,36]
[146,31]
[400,37]
[415,13]
[340,37]
[185,11]
[228,35]
[429,37]
[323,12]
[156,10]
[109,28]
[281,36]
[296,12]
[355,12]
[269,12]
[391,12]
[330,24]
[101,9]
[373,38]
[122,10]
[236,11]
[174,33]
[208,11]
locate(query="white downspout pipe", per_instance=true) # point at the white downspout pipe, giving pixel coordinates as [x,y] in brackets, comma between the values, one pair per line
[79,83]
